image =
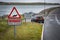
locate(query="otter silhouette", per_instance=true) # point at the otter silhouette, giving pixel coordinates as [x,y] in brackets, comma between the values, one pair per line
[14,15]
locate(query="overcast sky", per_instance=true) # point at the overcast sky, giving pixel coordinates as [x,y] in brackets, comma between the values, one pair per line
[49,1]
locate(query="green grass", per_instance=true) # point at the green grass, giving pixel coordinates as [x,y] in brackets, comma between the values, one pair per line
[3,25]
[26,31]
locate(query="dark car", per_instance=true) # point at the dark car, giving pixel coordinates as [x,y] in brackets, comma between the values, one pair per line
[38,19]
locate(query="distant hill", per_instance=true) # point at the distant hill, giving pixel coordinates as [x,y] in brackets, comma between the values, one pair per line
[36,3]
[46,12]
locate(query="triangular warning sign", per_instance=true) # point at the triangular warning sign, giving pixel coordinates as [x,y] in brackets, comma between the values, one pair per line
[14,8]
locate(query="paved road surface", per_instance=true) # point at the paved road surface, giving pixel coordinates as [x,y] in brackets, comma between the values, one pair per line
[52,26]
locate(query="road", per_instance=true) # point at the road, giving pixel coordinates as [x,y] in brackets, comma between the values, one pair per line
[52,26]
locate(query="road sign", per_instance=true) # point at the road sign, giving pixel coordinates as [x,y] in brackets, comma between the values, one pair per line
[28,15]
[14,19]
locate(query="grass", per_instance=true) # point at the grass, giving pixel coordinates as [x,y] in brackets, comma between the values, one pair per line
[26,31]
[3,25]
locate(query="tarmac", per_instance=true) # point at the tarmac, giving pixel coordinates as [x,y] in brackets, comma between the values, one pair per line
[52,26]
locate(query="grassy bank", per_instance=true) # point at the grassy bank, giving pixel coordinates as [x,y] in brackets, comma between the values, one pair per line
[26,31]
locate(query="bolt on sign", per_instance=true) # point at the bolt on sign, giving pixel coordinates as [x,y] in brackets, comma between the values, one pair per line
[14,19]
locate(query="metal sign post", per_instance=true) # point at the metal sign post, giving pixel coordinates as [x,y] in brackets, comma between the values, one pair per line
[14,32]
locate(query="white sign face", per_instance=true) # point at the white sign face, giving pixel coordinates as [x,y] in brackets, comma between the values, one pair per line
[14,23]
[28,16]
